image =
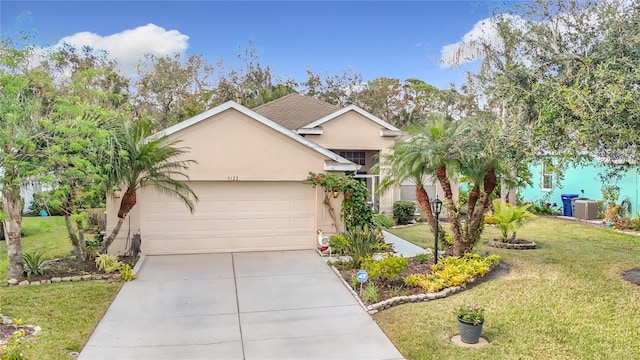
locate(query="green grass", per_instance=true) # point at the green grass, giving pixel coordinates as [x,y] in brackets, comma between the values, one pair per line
[420,235]
[67,312]
[565,300]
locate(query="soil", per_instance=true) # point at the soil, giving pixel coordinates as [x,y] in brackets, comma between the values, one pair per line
[70,266]
[396,287]
[632,276]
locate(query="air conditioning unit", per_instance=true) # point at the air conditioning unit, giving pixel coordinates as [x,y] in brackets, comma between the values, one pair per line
[586,209]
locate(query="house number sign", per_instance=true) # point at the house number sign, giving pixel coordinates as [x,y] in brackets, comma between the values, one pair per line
[232,178]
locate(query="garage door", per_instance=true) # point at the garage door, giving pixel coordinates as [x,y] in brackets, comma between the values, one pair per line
[230,216]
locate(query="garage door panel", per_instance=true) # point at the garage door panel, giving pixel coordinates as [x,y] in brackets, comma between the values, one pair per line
[233,216]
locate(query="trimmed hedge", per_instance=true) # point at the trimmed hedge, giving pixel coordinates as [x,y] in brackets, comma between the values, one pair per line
[403,211]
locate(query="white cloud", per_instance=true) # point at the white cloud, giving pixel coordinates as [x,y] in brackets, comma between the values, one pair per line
[469,48]
[129,46]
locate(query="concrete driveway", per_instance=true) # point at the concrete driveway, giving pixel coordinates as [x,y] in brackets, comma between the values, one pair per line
[260,305]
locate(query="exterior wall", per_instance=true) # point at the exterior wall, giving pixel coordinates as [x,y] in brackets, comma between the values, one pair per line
[352,131]
[130,226]
[578,179]
[232,146]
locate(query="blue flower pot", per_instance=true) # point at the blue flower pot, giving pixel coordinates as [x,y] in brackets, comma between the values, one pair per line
[469,333]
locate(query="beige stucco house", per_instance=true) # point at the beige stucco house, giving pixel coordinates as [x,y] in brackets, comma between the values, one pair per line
[249,177]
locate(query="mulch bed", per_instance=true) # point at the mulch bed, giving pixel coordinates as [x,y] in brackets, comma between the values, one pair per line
[396,287]
[632,276]
[70,266]
[518,244]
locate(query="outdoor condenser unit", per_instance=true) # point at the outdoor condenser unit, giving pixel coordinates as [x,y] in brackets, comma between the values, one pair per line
[586,209]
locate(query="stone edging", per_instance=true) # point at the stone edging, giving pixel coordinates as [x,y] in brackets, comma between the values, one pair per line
[505,245]
[34,328]
[398,300]
[88,277]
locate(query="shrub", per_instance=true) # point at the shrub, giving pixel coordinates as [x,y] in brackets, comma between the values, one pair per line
[32,263]
[108,263]
[13,345]
[403,211]
[452,271]
[339,244]
[508,218]
[388,267]
[362,242]
[383,220]
[370,293]
[423,257]
[45,201]
[96,220]
[126,273]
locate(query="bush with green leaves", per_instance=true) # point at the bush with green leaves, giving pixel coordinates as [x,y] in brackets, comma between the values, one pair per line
[453,271]
[370,293]
[508,218]
[339,244]
[388,267]
[363,242]
[126,273]
[383,221]
[32,263]
[108,263]
[403,211]
[47,202]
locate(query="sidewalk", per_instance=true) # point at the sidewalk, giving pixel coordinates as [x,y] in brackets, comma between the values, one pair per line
[403,247]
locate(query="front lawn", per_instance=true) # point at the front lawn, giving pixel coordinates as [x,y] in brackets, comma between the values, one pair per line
[67,312]
[566,300]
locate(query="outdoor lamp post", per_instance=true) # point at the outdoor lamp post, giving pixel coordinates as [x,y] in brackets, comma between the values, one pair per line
[436,206]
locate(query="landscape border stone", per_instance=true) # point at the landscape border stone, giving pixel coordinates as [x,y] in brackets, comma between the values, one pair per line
[505,245]
[87,277]
[399,300]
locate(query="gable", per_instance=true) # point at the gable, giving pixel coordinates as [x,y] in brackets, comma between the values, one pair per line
[352,130]
[232,146]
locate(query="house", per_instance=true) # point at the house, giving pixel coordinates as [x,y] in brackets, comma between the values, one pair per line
[249,177]
[582,180]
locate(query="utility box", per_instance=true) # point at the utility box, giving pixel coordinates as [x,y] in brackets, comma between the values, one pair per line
[586,209]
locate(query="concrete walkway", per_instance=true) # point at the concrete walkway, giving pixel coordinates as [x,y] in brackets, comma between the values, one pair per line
[262,305]
[403,247]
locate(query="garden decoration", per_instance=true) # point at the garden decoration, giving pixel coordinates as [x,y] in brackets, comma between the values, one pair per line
[470,322]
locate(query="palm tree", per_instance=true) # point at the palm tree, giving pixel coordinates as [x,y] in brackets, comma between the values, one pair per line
[138,159]
[430,150]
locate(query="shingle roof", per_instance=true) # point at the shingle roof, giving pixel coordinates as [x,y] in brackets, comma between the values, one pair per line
[294,111]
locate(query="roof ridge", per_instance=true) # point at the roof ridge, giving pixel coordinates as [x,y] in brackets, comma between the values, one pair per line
[321,101]
[272,101]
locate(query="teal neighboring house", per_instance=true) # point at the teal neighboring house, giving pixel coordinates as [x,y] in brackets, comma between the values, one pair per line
[579,180]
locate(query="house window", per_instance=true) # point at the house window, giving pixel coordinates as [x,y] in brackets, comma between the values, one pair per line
[547,174]
[356,157]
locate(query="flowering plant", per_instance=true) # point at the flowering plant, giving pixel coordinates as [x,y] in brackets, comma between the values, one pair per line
[470,313]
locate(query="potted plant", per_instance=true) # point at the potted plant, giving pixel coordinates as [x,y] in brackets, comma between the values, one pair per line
[470,321]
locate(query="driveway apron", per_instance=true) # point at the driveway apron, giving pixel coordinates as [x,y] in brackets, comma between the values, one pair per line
[256,305]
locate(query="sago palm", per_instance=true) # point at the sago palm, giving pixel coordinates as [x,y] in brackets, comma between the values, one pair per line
[137,160]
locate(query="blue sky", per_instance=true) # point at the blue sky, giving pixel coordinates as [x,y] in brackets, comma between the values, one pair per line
[390,39]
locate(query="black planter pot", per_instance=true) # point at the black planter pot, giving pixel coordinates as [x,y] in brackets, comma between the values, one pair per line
[469,333]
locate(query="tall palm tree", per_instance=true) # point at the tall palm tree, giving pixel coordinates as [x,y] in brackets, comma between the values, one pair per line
[431,149]
[138,159]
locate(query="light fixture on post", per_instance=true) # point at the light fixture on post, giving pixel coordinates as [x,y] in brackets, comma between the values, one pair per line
[436,206]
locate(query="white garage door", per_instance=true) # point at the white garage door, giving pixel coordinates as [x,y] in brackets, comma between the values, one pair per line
[230,216]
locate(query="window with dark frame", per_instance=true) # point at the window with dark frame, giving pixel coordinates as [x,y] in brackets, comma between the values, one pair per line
[357,157]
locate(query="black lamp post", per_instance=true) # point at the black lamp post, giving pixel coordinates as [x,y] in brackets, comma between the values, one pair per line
[436,206]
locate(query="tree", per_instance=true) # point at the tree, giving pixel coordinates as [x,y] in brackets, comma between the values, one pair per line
[136,159]
[23,137]
[339,89]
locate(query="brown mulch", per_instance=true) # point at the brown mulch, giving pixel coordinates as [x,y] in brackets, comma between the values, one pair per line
[396,287]
[70,266]
[632,276]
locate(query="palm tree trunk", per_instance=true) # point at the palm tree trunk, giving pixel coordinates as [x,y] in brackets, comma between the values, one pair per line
[114,234]
[441,175]
[12,205]
[513,189]
[126,204]
[425,204]
[474,194]
[489,185]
